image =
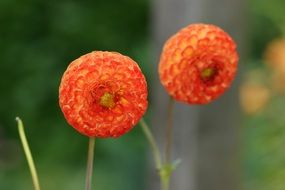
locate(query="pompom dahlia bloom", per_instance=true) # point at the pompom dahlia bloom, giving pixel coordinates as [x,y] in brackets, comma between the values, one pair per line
[198,64]
[103,94]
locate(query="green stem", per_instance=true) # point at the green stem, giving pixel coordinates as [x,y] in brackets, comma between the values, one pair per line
[168,166]
[165,183]
[28,154]
[153,144]
[90,159]
[163,170]
[169,131]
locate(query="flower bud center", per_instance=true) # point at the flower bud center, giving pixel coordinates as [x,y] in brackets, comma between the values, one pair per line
[107,100]
[208,73]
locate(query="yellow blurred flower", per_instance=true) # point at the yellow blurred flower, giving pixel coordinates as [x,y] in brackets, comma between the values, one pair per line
[275,55]
[278,82]
[253,97]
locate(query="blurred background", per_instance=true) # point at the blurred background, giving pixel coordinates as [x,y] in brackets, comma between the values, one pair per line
[234,143]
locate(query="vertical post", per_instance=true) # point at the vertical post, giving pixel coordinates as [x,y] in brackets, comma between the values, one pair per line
[219,128]
[205,138]
[168,17]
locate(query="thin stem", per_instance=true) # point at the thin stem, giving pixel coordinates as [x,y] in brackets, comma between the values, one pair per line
[153,144]
[28,154]
[90,159]
[169,131]
[165,183]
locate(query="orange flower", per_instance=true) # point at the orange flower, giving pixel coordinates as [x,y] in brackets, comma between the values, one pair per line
[103,94]
[198,64]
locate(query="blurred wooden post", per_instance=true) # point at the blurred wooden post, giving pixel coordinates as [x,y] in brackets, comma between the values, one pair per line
[206,138]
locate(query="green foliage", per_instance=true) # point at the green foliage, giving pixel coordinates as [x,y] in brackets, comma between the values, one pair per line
[264,141]
[266,21]
[264,133]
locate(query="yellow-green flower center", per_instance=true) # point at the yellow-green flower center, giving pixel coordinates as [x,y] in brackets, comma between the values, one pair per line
[208,73]
[107,100]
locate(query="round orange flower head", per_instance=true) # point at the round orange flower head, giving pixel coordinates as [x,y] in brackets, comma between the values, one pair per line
[198,64]
[103,94]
